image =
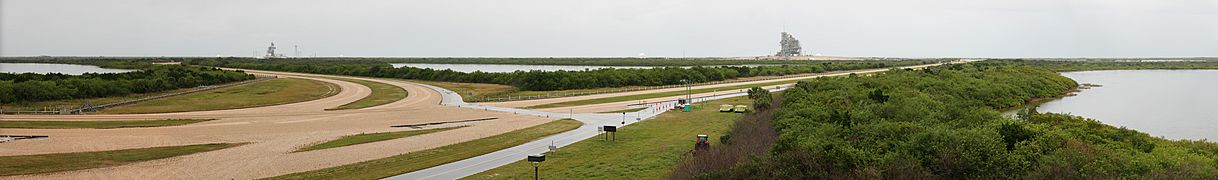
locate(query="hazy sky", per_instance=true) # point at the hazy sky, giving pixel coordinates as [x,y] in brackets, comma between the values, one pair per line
[533,28]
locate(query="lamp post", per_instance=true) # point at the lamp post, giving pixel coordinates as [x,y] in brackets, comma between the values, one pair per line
[536,160]
[688,90]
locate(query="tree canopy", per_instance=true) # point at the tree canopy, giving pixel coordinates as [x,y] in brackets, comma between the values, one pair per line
[29,87]
[943,122]
[546,80]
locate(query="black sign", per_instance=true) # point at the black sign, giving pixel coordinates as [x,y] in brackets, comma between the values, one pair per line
[537,158]
[609,128]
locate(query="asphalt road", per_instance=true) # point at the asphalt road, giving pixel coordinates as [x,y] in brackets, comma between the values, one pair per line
[592,121]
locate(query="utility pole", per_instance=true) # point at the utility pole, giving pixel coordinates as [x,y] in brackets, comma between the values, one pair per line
[689,92]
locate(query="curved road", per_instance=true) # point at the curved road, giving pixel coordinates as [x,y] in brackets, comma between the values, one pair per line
[274,131]
[471,166]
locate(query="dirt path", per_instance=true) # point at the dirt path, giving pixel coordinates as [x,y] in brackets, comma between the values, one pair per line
[272,133]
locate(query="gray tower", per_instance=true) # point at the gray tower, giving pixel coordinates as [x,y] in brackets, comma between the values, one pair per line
[270,51]
[789,45]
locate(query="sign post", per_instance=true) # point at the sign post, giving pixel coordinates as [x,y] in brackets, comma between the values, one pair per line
[536,160]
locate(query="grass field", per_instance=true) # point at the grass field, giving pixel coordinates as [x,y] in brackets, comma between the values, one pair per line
[657,95]
[381,94]
[97,124]
[646,150]
[385,167]
[472,91]
[257,94]
[371,137]
[46,163]
[77,102]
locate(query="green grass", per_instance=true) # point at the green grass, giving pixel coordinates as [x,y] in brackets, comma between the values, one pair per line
[473,91]
[674,93]
[256,94]
[97,124]
[72,103]
[414,161]
[646,150]
[381,94]
[371,137]
[46,163]
[625,110]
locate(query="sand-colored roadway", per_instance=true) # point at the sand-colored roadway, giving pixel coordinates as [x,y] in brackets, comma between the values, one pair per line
[273,132]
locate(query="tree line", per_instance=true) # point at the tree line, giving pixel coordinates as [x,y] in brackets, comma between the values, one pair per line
[659,61]
[943,123]
[546,80]
[1104,64]
[31,87]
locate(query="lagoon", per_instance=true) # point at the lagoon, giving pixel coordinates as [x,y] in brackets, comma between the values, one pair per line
[1176,104]
[45,68]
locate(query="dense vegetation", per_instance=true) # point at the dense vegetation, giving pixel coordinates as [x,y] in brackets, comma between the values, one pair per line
[942,122]
[605,61]
[1108,64]
[30,87]
[104,62]
[545,80]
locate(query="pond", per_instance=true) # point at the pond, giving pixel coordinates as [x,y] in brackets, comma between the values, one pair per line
[44,68]
[1176,104]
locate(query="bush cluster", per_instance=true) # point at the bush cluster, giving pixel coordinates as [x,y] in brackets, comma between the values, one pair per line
[943,122]
[30,87]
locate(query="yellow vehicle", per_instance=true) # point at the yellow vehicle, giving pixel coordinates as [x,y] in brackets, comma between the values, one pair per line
[725,108]
[741,108]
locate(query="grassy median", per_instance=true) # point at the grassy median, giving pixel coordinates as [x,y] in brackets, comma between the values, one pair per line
[636,97]
[414,161]
[257,94]
[371,137]
[47,163]
[97,124]
[381,94]
[646,150]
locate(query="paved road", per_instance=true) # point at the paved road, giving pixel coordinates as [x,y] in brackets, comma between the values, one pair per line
[271,134]
[471,166]
[495,159]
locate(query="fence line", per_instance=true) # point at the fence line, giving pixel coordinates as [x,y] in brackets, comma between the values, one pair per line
[90,108]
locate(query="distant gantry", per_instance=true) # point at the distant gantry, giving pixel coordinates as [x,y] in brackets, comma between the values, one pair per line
[789,45]
[270,52]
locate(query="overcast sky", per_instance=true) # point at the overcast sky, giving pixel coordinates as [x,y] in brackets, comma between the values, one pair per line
[564,28]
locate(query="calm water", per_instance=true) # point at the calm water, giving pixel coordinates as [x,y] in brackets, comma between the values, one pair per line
[42,68]
[1176,104]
